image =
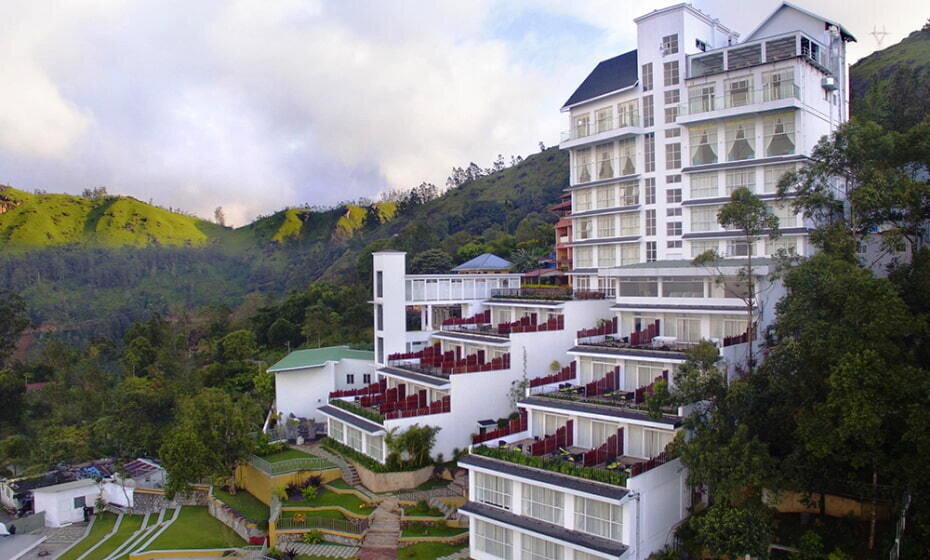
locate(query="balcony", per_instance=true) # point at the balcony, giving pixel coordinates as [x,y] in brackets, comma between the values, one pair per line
[737,102]
[433,361]
[768,50]
[526,324]
[588,132]
[556,293]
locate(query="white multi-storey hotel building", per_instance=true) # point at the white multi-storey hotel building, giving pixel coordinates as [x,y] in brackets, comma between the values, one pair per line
[659,137]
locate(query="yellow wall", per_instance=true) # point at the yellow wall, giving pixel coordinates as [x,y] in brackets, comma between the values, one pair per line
[261,485]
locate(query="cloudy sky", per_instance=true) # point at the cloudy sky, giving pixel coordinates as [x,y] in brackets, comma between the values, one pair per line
[258,104]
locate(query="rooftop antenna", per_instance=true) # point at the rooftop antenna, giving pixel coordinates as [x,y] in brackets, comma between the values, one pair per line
[879,36]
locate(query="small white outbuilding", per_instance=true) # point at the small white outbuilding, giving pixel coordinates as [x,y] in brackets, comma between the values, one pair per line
[65,503]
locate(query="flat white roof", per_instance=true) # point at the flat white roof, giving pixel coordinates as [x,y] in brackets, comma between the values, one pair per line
[64,487]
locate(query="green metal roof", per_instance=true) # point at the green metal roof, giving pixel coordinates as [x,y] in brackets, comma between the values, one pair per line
[316,357]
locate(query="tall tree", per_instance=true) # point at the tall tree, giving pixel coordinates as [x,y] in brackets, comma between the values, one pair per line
[13,321]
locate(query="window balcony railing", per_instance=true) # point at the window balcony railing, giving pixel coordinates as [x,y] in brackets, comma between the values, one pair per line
[768,50]
[739,98]
[584,129]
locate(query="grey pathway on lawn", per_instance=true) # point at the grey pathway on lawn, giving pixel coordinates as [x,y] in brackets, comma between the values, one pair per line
[325,550]
[16,546]
[458,555]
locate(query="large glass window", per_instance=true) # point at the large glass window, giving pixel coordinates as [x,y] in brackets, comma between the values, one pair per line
[670,44]
[683,287]
[354,438]
[741,178]
[741,140]
[701,99]
[598,518]
[542,503]
[670,73]
[650,190]
[583,166]
[785,214]
[336,431]
[672,97]
[778,84]
[704,185]
[583,229]
[649,152]
[704,145]
[739,91]
[493,539]
[704,218]
[605,197]
[375,448]
[493,490]
[629,194]
[688,330]
[627,114]
[583,257]
[787,245]
[629,224]
[650,222]
[581,125]
[627,150]
[773,175]
[647,77]
[648,111]
[629,253]
[582,200]
[779,134]
[538,549]
[639,287]
[651,252]
[701,247]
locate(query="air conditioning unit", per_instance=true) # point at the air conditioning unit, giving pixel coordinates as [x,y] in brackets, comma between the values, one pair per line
[828,83]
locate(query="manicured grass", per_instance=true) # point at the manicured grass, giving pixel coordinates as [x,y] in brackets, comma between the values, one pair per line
[103,525]
[287,455]
[349,501]
[246,504]
[416,511]
[196,528]
[341,484]
[130,524]
[427,551]
[438,530]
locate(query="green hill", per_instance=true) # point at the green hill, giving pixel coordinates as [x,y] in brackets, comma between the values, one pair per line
[92,266]
[892,86]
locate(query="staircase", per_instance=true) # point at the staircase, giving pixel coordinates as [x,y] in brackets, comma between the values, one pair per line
[349,473]
[460,483]
[383,535]
[449,512]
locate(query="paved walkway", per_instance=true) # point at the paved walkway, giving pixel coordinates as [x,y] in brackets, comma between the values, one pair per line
[458,555]
[325,550]
[383,536]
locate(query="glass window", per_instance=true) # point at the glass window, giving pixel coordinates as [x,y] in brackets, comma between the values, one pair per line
[738,248]
[673,212]
[584,171]
[673,229]
[683,287]
[701,247]
[336,430]
[670,44]
[605,226]
[354,438]
[581,125]
[639,287]
[650,251]
[786,245]
[703,145]
[672,96]
[379,283]
[704,218]
[741,178]
[538,549]
[629,224]
[704,185]
[582,200]
[778,84]
[670,73]
[773,175]
[493,539]
[604,119]
[687,330]
[598,518]
[629,253]
[583,257]
[650,222]
[671,114]
[542,503]
[741,140]
[779,134]
[648,111]
[701,99]
[647,77]
[649,152]
[583,229]
[605,161]
[627,156]
[606,256]
[605,197]
[375,448]
[650,188]
[627,114]
[493,490]
[673,133]
[80,502]
[673,196]
[629,194]
[673,244]
[785,214]
[739,91]
[673,156]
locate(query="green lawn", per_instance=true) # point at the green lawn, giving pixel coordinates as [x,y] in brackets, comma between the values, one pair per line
[103,525]
[308,557]
[196,528]
[427,551]
[130,524]
[246,504]
[438,530]
[349,501]
[339,483]
[287,455]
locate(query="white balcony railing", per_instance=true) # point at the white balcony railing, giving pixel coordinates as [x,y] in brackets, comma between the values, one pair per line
[589,128]
[739,98]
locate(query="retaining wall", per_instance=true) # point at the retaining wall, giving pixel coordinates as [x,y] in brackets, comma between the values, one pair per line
[392,481]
